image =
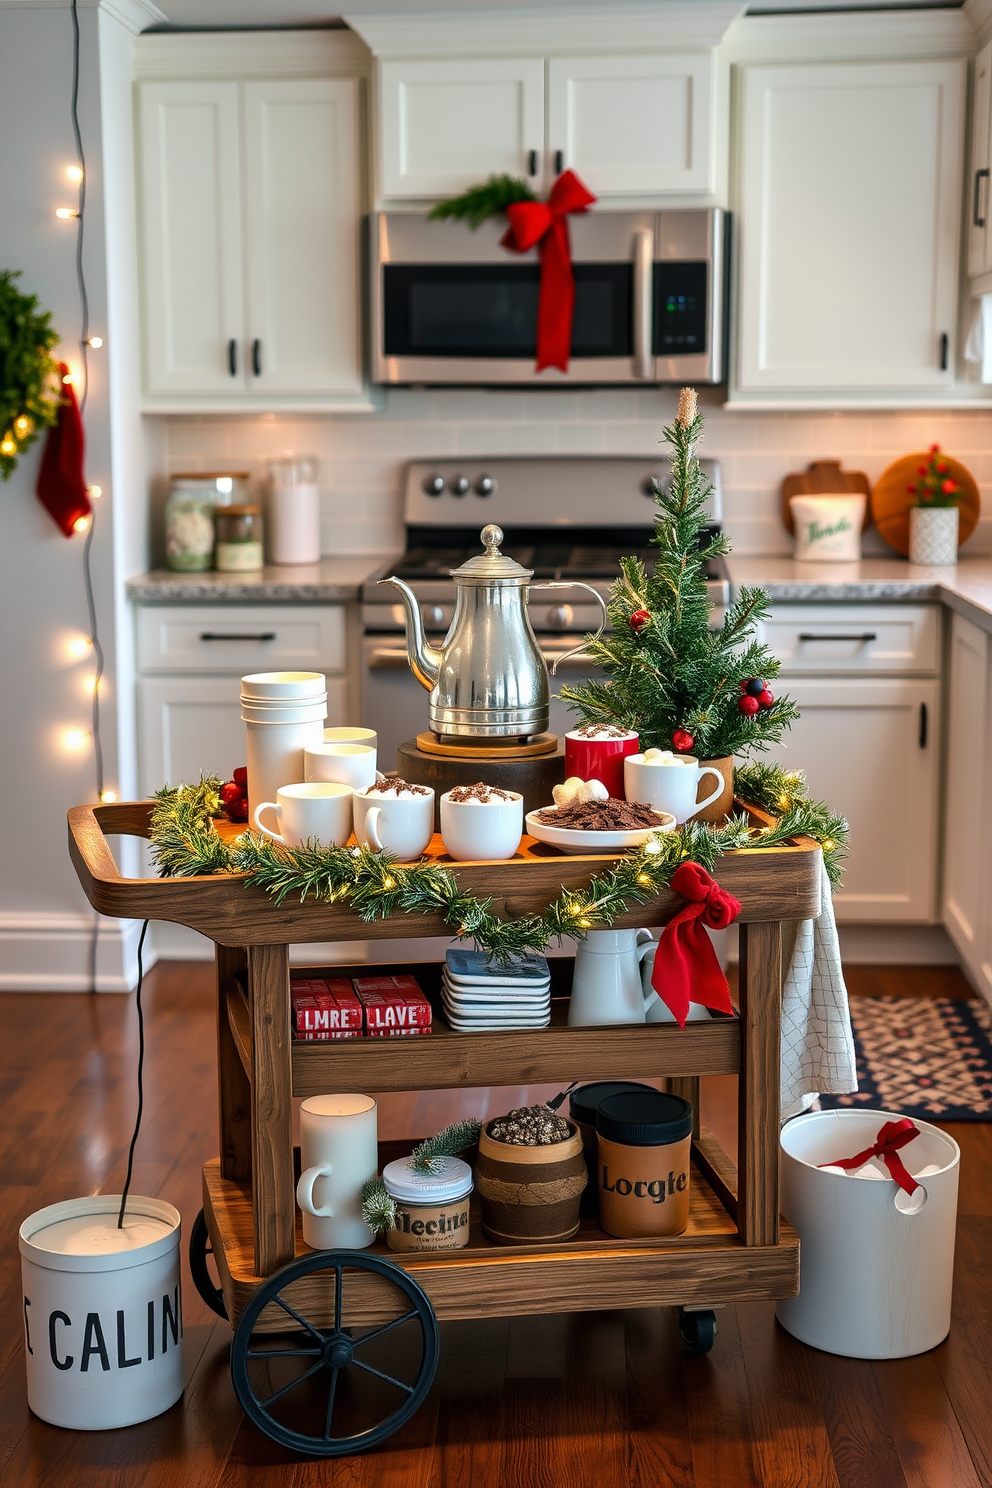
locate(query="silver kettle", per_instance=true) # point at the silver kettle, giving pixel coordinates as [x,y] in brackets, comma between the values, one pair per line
[488,679]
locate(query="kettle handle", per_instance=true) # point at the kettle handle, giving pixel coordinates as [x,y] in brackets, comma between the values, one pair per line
[585,639]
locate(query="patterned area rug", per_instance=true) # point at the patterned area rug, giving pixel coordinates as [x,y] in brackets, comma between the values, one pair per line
[922,1056]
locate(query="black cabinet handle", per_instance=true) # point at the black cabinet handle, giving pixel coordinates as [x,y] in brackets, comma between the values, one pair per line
[232,357]
[865,635]
[532,163]
[943,351]
[559,162]
[977,221]
[923,725]
[256,357]
[224,635]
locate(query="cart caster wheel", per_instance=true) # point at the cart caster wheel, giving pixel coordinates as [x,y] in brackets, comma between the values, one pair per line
[318,1387]
[697,1330]
[199,1249]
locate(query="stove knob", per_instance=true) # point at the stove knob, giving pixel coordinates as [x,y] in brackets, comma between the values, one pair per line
[459,485]
[485,486]
[651,486]
[559,616]
[433,614]
[432,485]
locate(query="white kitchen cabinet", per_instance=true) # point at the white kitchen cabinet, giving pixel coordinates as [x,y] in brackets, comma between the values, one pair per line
[628,125]
[250,243]
[967,897]
[848,222]
[869,747]
[979,180]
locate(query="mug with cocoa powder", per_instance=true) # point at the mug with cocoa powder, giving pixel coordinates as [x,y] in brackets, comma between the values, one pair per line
[481,822]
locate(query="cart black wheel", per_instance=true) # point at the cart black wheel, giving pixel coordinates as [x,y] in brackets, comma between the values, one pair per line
[697,1330]
[199,1248]
[322,1388]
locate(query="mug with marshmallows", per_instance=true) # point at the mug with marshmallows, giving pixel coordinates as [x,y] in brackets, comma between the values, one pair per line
[317,811]
[668,782]
[396,817]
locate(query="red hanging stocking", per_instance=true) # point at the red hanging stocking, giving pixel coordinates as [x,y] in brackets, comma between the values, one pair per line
[686,968]
[61,484]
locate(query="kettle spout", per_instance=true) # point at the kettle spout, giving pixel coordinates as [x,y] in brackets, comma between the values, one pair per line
[425,660]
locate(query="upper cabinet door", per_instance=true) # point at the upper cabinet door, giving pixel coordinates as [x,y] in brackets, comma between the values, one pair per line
[633,125]
[192,238]
[303,229]
[980,181]
[446,125]
[849,219]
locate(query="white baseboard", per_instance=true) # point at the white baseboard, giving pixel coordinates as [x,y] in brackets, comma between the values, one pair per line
[52,953]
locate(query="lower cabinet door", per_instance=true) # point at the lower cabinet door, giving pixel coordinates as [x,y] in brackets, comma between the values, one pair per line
[870,749]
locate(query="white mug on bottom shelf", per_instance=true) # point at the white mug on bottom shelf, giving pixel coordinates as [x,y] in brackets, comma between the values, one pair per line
[317,810]
[669,783]
[395,821]
[339,1153]
[606,983]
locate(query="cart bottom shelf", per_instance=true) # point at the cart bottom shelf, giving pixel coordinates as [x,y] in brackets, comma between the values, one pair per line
[707,1264]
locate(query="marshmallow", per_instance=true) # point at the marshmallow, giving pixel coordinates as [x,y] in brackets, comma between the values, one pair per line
[565,794]
[593,790]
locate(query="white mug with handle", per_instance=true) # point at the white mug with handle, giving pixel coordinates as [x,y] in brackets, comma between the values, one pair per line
[655,1010]
[338,1151]
[669,782]
[387,821]
[314,810]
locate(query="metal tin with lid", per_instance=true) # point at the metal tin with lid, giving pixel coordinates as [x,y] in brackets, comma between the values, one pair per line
[432,1209]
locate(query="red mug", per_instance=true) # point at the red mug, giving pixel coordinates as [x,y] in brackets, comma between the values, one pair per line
[599,755]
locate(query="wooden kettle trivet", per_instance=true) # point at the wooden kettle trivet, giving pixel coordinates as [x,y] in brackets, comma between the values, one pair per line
[823,478]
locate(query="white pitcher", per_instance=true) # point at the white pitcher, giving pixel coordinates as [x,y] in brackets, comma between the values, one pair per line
[606,986]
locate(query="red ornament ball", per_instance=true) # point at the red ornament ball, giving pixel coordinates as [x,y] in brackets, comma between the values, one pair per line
[240,777]
[231,792]
[682,742]
[749,705]
[639,619]
[765,699]
[237,811]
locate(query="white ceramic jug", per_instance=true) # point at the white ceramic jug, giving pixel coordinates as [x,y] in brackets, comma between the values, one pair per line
[606,986]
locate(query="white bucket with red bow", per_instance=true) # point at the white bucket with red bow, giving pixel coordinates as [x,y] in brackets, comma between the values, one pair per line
[873,1196]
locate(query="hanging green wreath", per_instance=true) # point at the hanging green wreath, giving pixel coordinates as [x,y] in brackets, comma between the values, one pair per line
[29,387]
[184,844]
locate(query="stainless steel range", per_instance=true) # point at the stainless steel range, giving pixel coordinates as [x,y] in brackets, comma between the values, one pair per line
[569,519]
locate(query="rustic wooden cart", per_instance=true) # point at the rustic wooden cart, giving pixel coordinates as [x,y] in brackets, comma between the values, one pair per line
[321,1318]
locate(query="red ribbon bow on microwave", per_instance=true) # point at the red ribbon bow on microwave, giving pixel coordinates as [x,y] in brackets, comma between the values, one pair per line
[686,968]
[544,223]
[891,1136]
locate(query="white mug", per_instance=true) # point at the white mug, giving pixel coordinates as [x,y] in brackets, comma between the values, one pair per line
[345,764]
[348,734]
[318,810]
[655,1010]
[606,983]
[482,830]
[402,825]
[670,786]
[339,1154]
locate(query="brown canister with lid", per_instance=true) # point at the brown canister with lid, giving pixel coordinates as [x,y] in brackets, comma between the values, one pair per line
[583,1104]
[530,1193]
[644,1139]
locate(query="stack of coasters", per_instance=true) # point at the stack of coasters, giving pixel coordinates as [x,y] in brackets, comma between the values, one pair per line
[326,1009]
[394,1006]
[479,993]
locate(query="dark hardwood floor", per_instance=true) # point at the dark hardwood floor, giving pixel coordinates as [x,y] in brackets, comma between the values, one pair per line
[588,1400]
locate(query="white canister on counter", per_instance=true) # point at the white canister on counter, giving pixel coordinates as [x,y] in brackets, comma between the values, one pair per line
[294,510]
[828,527]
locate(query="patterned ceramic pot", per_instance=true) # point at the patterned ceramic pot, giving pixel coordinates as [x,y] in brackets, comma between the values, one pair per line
[933,534]
[530,1193]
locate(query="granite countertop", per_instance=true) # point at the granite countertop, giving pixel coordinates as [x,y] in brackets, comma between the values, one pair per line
[965,587]
[318,583]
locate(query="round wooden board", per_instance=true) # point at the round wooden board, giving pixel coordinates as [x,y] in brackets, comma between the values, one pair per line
[487,749]
[891,501]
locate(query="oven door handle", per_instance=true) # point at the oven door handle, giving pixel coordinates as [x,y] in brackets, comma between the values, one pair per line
[388,659]
[568,655]
[643,300]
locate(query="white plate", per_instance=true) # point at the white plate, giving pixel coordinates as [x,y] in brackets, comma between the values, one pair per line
[495,994]
[572,840]
[482,1025]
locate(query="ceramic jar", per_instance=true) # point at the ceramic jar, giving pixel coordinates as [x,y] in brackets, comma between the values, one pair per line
[933,534]
[530,1194]
[432,1209]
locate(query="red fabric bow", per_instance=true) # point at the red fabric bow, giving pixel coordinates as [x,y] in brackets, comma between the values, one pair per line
[61,484]
[891,1136]
[544,223]
[686,968]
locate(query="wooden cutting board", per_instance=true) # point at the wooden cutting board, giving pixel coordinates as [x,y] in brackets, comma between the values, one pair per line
[891,500]
[824,477]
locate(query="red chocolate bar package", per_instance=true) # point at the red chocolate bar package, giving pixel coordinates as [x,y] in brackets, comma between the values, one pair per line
[326,1009]
[394,1006]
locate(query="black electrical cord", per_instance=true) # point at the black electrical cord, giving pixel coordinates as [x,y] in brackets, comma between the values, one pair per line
[141,1071]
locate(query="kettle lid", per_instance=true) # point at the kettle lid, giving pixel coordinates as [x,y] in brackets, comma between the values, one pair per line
[492,565]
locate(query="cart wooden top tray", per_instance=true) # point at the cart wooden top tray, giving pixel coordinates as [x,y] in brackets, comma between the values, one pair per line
[775,883]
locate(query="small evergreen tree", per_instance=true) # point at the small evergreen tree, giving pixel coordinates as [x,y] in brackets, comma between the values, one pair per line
[679,684]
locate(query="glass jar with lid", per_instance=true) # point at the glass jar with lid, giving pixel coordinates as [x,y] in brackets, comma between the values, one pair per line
[189,526]
[239,539]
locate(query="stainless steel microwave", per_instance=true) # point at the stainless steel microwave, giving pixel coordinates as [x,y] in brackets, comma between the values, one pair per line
[449,305]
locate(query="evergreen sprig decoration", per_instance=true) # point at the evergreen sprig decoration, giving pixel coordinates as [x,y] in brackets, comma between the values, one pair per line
[667,671]
[784,794]
[489,199]
[29,381]
[429,1156]
[378,1206]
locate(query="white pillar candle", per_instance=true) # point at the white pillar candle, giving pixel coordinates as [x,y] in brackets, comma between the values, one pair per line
[339,1154]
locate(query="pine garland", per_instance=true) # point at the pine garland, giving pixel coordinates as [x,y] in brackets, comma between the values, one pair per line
[29,386]
[489,199]
[378,1206]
